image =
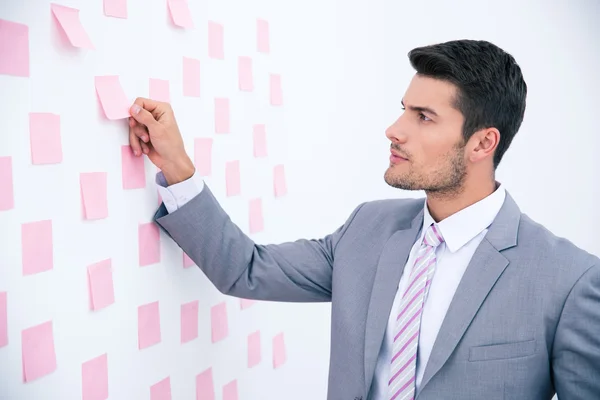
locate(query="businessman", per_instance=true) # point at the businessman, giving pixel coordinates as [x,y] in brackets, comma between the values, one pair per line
[458,295]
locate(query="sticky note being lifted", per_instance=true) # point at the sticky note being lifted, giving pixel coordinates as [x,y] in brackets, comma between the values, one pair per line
[148,325]
[94,378]
[14,48]
[180,13]
[37,348]
[94,197]
[68,19]
[44,136]
[205,387]
[7,198]
[36,247]
[230,391]
[102,293]
[112,97]
[161,390]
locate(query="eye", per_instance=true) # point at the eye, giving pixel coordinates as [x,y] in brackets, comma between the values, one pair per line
[424,117]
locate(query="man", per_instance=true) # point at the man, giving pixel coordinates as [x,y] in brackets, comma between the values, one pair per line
[456,296]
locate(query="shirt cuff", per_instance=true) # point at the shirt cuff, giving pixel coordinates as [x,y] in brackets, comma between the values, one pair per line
[177,195]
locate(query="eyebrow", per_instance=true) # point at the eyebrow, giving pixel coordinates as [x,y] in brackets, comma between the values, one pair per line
[420,109]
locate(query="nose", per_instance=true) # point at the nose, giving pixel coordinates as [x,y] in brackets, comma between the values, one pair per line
[395,132]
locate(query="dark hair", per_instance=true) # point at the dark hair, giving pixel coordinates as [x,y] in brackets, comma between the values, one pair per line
[491,89]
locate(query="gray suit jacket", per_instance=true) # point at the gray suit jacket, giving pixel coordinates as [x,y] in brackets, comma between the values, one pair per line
[524,323]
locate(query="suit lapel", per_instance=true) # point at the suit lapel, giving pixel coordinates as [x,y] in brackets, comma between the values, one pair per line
[389,271]
[483,271]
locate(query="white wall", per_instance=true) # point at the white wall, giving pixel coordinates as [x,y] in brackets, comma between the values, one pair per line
[344,71]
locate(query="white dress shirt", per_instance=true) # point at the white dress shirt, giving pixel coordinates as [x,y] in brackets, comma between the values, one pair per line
[462,233]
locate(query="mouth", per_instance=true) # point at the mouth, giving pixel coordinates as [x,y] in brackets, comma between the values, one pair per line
[396,158]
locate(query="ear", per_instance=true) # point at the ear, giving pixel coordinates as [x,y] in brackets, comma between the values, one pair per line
[483,144]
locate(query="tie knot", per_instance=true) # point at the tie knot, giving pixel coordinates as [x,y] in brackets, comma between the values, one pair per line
[433,237]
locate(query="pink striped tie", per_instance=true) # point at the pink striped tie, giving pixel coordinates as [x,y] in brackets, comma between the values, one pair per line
[406,333]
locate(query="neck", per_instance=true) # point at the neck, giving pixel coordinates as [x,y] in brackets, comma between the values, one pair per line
[442,205]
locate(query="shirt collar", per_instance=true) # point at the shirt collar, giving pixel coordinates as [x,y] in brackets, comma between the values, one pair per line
[461,227]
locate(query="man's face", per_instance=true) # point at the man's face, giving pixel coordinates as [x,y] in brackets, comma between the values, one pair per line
[426,140]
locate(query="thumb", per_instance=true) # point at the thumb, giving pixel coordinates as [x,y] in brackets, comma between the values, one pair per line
[142,116]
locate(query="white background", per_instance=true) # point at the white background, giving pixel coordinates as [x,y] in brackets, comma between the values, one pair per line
[344,70]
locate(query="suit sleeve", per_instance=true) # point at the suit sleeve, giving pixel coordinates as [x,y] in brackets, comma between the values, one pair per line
[576,349]
[299,271]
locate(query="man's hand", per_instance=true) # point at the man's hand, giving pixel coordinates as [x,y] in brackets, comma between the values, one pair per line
[154,132]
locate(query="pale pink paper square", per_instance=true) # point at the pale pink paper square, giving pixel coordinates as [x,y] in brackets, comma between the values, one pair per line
[148,325]
[44,137]
[161,390]
[180,13]
[279,184]
[94,195]
[3,319]
[230,391]
[232,178]
[68,19]
[215,40]
[149,244]
[112,98]
[218,317]
[102,290]
[279,354]
[256,216]
[94,378]
[7,196]
[37,347]
[14,48]
[262,36]
[115,8]
[203,156]
[254,349]
[187,261]
[189,321]
[276,90]
[37,247]
[245,74]
[159,90]
[221,115]
[260,140]
[191,77]
[133,171]
[205,387]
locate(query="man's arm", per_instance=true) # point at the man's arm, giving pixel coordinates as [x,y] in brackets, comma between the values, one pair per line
[576,349]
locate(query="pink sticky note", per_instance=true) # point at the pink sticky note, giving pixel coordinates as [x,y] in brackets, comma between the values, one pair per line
[203,156]
[14,48]
[260,140]
[205,387]
[180,13]
[69,21]
[44,136]
[191,77]
[161,390]
[37,346]
[7,197]
[112,97]
[246,303]
[3,319]
[149,244]
[232,178]
[94,378]
[115,8]
[218,318]
[276,91]
[279,184]
[148,325]
[189,321]
[133,172]
[159,90]
[93,195]
[36,247]
[221,115]
[254,354]
[230,391]
[215,40]
[279,355]
[187,261]
[256,216]
[262,35]
[102,293]
[245,74]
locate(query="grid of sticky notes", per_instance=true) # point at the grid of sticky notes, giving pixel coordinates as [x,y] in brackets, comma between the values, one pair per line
[47,132]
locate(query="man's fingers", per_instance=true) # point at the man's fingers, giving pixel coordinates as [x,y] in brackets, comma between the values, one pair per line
[141,132]
[134,142]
